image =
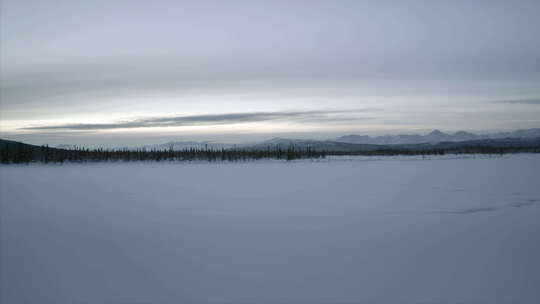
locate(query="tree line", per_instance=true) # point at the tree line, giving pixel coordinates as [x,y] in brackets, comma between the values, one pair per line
[16,152]
[23,153]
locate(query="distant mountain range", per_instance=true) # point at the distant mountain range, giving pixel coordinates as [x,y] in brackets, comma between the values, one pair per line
[434,142]
[434,137]
[17,152]
[337,146]
[356,142]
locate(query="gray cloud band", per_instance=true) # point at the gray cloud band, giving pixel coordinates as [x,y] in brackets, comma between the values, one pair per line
[210,119]
[532,101]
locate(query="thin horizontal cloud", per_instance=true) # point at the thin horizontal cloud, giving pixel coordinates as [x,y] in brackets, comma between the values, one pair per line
[532,101]
[211,119]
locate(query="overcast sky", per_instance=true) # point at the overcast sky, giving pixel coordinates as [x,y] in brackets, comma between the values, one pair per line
[139,72]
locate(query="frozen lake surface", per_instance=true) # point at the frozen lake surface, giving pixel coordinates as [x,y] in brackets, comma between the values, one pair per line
[405,230]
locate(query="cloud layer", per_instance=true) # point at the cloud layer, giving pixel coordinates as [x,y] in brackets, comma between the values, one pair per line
[532,101]
[212,119]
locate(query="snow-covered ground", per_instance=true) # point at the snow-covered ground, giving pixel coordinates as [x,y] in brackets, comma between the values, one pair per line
[455,230]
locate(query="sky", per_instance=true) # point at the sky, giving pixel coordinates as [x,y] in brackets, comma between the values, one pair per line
[128,73]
